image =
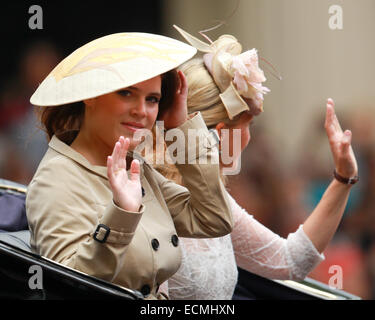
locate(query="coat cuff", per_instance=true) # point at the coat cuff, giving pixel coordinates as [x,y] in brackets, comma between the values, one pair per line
[194,140]
[121,223]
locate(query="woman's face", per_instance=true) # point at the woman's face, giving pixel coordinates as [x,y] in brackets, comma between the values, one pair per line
[124,112]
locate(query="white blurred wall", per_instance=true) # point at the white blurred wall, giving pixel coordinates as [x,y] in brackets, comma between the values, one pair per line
[314,61]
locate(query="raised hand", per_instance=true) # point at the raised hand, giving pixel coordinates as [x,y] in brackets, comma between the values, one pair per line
[127,192]
[340,143]
[177,115]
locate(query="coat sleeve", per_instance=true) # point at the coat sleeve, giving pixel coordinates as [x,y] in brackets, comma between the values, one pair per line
[201,208]
[63,217]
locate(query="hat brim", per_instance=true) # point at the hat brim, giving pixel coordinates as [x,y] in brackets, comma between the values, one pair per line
[109,64]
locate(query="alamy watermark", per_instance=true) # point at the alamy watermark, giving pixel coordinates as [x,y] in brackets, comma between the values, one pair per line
[336,280]
[36,20]
[336,19]
[174,147]
[36,280]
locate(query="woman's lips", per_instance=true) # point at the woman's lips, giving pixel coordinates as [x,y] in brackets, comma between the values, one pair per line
[132,126]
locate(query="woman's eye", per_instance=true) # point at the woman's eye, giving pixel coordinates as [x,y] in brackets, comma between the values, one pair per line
[153,99]
[124,93]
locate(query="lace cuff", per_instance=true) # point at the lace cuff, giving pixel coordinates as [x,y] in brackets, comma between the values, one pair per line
[301,255]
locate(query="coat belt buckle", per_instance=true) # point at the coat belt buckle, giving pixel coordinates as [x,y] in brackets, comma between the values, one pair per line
[96,233]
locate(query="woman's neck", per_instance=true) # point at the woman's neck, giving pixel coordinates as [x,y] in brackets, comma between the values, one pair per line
[93,149]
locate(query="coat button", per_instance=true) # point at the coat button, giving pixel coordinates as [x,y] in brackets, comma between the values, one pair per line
[143,192]
[145,290]
[174,240]
[155,244]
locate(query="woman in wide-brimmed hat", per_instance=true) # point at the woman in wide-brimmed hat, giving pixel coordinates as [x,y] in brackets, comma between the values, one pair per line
[93,204]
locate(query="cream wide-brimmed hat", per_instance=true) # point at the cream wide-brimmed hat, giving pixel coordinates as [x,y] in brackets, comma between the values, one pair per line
[108,64]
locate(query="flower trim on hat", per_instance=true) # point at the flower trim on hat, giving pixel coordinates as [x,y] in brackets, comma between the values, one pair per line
[237,74]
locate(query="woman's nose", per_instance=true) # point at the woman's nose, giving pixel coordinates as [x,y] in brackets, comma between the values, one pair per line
[139,108]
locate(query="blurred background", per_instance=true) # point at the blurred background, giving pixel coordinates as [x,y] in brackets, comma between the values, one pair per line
[288,164]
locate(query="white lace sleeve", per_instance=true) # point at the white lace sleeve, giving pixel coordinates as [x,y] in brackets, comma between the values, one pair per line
[164,288]
[261,251]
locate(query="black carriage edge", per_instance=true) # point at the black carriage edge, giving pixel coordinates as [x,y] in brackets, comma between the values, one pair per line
[19,268]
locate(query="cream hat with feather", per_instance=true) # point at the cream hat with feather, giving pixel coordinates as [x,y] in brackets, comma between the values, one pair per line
[108,64]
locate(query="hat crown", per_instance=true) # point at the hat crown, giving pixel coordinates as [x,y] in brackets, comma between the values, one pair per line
[108,64]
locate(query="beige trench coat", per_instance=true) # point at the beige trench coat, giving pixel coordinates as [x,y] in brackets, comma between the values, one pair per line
[68,198]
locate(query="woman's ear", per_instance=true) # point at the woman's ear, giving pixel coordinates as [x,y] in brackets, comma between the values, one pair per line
[219,126]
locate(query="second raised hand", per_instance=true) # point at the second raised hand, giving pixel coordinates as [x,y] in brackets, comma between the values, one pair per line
[340,143]
[177,114]
[127,191]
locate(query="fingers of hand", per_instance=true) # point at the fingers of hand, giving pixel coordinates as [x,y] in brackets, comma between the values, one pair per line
[113,171]
[117,161]
[340,141]
[329,112]
[343,153]
[119,152]
[135,170]
[116,155]
[346,142]
[346,162]
[124,150]
[332,124]
[110,168]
